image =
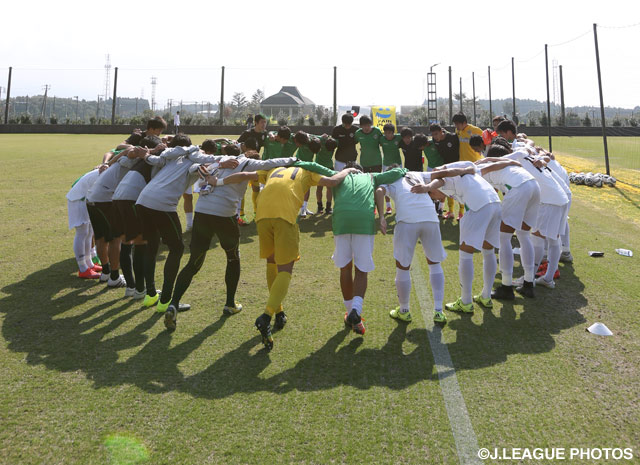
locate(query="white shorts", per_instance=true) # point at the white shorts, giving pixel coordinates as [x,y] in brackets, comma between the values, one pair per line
[354,247]
[551,221]
[406,235]
[339,165]
[481,225]
[78,214]
[521,204]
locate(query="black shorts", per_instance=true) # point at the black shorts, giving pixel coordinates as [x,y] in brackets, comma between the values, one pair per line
[104,221]
[205,226]
[372,169]
[156,223]
[128,218]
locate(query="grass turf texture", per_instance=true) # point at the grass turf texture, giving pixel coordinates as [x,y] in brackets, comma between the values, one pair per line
[90,377]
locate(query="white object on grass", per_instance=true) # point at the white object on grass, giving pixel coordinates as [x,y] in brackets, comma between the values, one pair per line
[599,329]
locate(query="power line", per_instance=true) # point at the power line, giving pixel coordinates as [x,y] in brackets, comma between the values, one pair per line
[620,27]
[571,40]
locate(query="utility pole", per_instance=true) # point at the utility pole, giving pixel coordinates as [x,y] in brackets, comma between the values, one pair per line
[461,109]
[450,96]
[490,107]
[562,113]
[77,104]
[473,81]
[46,88]
[513,84]
[604,123]
[546,68]
[6,107]
[115,95]
[221,109]
[335,94]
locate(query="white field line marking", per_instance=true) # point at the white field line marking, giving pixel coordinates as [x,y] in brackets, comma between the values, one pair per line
[463,433]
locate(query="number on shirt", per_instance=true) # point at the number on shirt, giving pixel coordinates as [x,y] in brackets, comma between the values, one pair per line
[276,173]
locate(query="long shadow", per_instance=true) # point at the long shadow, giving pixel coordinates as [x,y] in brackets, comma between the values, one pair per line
[317,225]
[46,328]
[627,198]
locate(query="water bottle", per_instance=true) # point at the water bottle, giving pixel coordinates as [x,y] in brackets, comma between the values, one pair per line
[624,252]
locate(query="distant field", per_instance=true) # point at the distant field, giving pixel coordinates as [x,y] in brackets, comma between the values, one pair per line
[89,377]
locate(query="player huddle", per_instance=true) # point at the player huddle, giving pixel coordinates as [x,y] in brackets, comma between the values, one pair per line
[129,203]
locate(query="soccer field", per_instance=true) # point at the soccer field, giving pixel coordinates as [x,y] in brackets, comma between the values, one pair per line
[89,377]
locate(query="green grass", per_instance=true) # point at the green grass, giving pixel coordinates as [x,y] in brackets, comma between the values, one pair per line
[91,378]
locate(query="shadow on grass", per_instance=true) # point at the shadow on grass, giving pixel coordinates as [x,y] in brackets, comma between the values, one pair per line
[36,323]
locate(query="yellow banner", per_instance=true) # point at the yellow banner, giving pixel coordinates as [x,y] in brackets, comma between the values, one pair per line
[383,115]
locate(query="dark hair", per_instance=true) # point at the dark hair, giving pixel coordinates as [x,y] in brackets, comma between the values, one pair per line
[502,142]
[180,140]
[406,132]
[496,150]
[157,123]
[315,145]
[507,125]
[387,127]
[392,166]
[331,144]
[134,138]
[209,145]
[498,119]
[353,164]
[435,127]
[232,150]
[365,120]
[251,144]
[420,140]
[476,141]
[459,118]
[150,141]
[347,119]
[301,138]
[259,117]
[284,132]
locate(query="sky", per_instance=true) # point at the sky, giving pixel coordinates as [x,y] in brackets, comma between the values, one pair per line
[382,50]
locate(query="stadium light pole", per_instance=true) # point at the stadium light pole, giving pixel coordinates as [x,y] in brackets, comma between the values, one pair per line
[115,96]
[604,124]
[6,106]
[546,69]
[564,121]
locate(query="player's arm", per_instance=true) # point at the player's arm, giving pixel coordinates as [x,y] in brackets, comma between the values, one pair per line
[487,168]
[266,165]
[235,178]
[337,178]
[379,197]
[424,188]
[450,172]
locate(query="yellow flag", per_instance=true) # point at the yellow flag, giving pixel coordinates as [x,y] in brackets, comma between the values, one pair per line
[383,115]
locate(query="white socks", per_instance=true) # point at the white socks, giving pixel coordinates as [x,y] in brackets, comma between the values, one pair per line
[82,247]
[538,250]
[526,254]
[566,242]
[489,268]
[347,304]
[465,271]
[506,258]
[436,276]
[403,287]
[189,219]
[553,256]
[357,304]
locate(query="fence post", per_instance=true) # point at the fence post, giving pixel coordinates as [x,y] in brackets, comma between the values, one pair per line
[562,113]
[6,106]
[115,96]
[490,106]
[450,96]
[473,82]
[221,99]
[461,109]
[513,84]
[604,123]
[335,95]
[546,69]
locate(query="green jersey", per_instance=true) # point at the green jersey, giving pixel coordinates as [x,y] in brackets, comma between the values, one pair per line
[354,201]
[433,156]
[324,156]
[369,147]
[304,153]
[274,149]
[391,150]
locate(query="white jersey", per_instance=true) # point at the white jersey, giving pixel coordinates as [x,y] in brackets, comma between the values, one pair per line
[551,192]
[411,208]
[176,120]
[79,190]
[506,178]
[471,189]
[558,169]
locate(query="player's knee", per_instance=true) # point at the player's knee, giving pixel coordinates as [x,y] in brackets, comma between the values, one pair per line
[233,255]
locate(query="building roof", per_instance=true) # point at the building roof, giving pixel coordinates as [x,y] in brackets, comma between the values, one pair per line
[288,95]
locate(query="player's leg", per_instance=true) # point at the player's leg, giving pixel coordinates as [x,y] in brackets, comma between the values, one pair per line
[171,232]
[491,239]
[151,236]
[100,226]
[329,209]
[304,211]
[505,291]
[229,235]
[82,253]
[362,249]
[343,259]
[319,190]
[188,207]
[449,213]
[404,243]
[434,252]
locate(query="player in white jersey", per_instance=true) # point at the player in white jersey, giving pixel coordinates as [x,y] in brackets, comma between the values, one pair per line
[551,215]
[417,219]
[479,227]
[520,203]
[79,219]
